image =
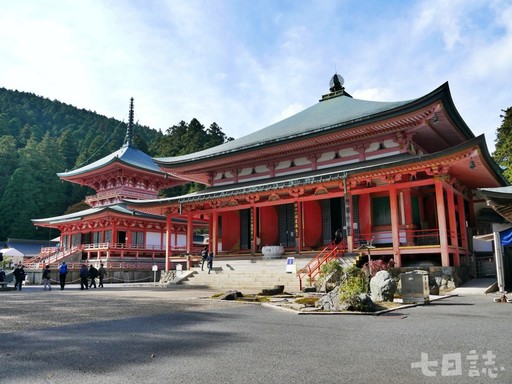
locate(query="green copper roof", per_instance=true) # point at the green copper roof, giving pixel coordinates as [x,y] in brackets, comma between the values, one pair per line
[325,115]
[127,154]
[117,208]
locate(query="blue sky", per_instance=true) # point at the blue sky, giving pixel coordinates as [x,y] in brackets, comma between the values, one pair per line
[247,64]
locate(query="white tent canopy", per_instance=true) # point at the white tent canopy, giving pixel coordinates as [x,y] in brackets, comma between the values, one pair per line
[12,252]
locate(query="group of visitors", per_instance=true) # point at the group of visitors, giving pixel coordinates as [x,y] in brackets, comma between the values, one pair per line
[87,276]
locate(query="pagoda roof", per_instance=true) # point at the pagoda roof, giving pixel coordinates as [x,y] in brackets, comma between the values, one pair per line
[333,114]
[483,172]
[127,155]
[120,209]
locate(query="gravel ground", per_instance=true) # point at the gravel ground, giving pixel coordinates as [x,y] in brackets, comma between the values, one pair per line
[143,334]
[34,308]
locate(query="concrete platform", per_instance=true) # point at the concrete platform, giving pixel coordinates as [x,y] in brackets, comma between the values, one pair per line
[479,286]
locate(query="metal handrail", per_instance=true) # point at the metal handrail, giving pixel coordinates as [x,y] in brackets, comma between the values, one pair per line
[330,252]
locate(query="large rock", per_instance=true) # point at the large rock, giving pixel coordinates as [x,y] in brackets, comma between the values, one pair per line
[277,290]
[330,301]
[361,303]
[382,287]
[231,295]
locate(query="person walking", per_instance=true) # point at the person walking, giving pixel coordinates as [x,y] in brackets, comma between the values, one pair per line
[102,272]
[93,274]
[84,275]
[204,256]
[19,275]
[210,262]
[63,272]
[337,236]
[47,277]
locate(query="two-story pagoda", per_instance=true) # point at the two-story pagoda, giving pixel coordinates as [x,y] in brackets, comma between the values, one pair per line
[110,230]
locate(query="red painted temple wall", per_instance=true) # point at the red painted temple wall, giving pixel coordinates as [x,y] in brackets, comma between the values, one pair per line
[365,221]
[269,226]
[230,230]
[313,232]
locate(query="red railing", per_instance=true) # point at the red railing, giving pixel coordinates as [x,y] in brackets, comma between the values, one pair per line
[48,257]
[406,237]
[53,255]
[312,269]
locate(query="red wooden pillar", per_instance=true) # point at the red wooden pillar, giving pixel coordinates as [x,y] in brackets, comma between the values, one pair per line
[450,197]
[407,212]
[190,233]
[300,224]
[462,228]
[168,250]
[254,232]
[395,226]
[441,222]
[215,227]
[210,232]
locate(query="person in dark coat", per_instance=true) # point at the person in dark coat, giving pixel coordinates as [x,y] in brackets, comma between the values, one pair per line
[204,256]
[84,275]
[19,275]
[337,236]
[93,274]
[63,272]
[47,277]
[210,262]
[102,272]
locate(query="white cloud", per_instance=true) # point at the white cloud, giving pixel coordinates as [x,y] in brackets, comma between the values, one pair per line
[246,65]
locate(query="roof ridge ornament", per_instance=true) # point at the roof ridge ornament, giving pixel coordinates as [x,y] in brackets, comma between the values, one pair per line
[336,87]
[336,83]
[128,139]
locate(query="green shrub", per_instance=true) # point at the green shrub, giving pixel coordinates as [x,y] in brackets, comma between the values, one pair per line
[355,283]
[331,270]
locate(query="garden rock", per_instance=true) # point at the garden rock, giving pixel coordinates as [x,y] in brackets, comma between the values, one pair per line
[361,302]
[232,295]
[330,301]
[277,290]
[382,287]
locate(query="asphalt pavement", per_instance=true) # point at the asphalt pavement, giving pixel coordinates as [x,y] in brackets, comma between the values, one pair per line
[146,334]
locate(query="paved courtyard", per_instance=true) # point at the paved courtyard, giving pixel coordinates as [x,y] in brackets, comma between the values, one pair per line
[159,335]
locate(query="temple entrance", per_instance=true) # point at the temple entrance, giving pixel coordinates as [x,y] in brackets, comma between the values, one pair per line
[286,217]
[337,206]
[245,228]
[121,237]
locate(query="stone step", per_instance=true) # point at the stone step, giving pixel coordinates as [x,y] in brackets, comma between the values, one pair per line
[250,273]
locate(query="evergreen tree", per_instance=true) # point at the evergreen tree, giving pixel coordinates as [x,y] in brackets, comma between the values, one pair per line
[8,160]
[502,154]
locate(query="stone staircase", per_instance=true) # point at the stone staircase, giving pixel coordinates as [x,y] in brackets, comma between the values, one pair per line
[251,275]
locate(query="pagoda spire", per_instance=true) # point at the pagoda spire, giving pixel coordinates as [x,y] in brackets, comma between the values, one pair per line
[128,139]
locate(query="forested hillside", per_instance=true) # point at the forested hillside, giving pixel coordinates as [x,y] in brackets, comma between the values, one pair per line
[40,137]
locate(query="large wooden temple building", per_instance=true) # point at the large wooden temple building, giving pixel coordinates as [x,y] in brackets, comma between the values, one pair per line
[398,176]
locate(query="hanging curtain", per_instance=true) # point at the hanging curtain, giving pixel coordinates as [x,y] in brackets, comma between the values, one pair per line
[506,237]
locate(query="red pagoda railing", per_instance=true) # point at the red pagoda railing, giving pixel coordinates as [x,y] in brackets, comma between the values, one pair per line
[312,269]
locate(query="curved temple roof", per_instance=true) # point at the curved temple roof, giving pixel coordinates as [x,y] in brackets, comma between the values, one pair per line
[126,154]
[330,113]
[76,216]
